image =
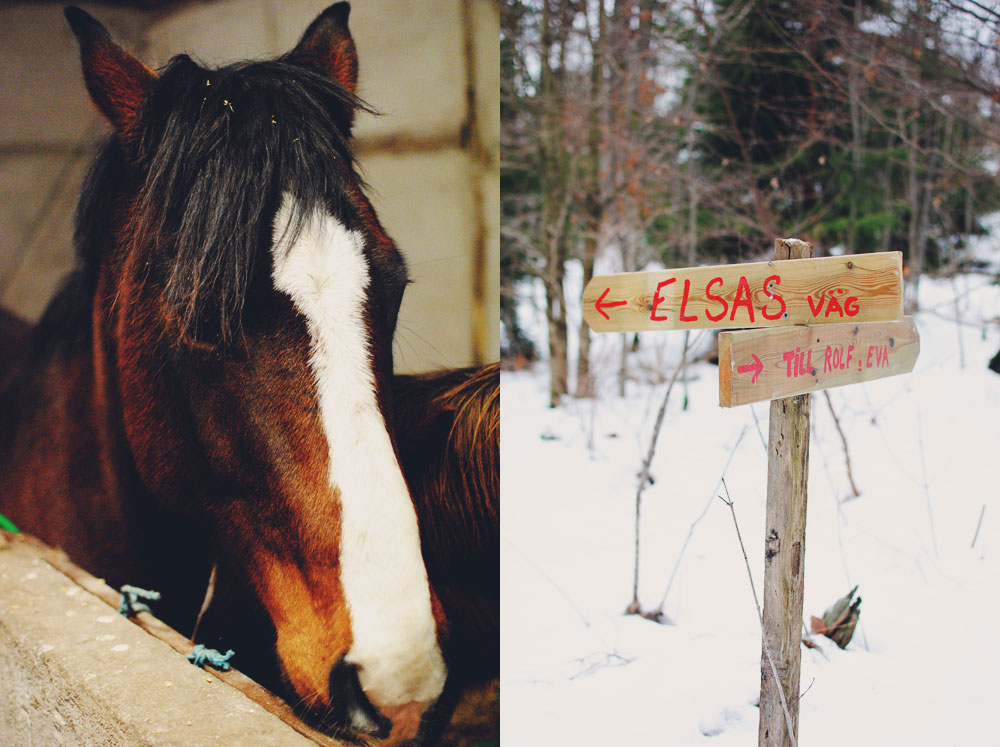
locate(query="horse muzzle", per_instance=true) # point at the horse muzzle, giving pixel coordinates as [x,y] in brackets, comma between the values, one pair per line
[349,706]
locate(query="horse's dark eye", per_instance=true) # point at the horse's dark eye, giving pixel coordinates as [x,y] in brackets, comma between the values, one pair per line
[392,300]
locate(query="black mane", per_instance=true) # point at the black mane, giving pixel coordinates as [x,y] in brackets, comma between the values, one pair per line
[209,157]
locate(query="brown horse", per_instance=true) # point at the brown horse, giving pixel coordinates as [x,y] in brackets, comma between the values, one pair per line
[447,425]
[213,386]
[448,430]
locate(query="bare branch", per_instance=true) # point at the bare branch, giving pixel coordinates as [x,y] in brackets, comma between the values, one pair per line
[760,619]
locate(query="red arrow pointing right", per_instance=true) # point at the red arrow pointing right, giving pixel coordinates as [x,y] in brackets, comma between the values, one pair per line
[756,367]
[600,304]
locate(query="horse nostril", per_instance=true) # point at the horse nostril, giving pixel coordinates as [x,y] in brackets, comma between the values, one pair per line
[349,706]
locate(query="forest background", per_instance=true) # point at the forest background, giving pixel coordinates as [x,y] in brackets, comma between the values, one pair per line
[693,132]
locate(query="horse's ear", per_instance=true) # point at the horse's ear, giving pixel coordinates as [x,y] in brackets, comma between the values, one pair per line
[117,82]
[327,45]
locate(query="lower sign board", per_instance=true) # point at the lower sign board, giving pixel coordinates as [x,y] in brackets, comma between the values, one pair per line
[763,364]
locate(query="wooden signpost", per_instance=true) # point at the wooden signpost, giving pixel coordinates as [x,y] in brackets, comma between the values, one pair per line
[826,322]
[857,288]
[756,365]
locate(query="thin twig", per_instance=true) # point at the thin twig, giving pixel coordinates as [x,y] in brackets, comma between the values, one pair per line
[644,479]
[722,478]
[958,321]
[684,380]
[843,440]
[927,491]
[763,441]
[978,525]
[810,641]
[610,659]
[552,582]
[209,594]
[593,417]
[813,682]
[840,534]
[760,619]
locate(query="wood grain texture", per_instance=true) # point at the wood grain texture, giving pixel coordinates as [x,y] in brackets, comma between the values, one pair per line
[822,357]
[784,565]
[714,296]
[784,554]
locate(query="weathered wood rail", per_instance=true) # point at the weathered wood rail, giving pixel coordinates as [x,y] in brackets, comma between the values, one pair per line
[74,671]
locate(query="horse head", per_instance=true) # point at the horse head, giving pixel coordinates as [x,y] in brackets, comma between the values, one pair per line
[245,299]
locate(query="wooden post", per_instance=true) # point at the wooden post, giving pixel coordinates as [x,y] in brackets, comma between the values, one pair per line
[784,550]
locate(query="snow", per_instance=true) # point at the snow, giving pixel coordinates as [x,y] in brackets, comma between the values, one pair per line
[922,666]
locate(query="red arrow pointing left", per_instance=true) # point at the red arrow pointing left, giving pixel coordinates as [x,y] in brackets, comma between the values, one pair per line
[600,304]
[756,367]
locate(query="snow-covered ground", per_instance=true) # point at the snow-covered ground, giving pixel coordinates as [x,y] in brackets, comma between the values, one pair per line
[924,665]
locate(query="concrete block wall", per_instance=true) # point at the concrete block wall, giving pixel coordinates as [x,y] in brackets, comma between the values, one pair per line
[431,67]
[75,672]
[48,134]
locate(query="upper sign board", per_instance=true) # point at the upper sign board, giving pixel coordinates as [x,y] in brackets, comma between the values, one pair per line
[762,364]
[827,290]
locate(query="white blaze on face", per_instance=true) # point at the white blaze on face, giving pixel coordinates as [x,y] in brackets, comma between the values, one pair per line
[325,272]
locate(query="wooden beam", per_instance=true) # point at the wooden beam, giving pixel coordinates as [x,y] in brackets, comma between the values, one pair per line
[827,290]
[155,627]
[784,553]
[762,364]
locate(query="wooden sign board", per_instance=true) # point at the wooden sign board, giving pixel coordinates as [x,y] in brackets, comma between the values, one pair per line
[827,290]
[762,364]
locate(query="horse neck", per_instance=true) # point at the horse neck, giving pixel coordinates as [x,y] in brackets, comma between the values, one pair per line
[62,470]
[67,475]
[445,426]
